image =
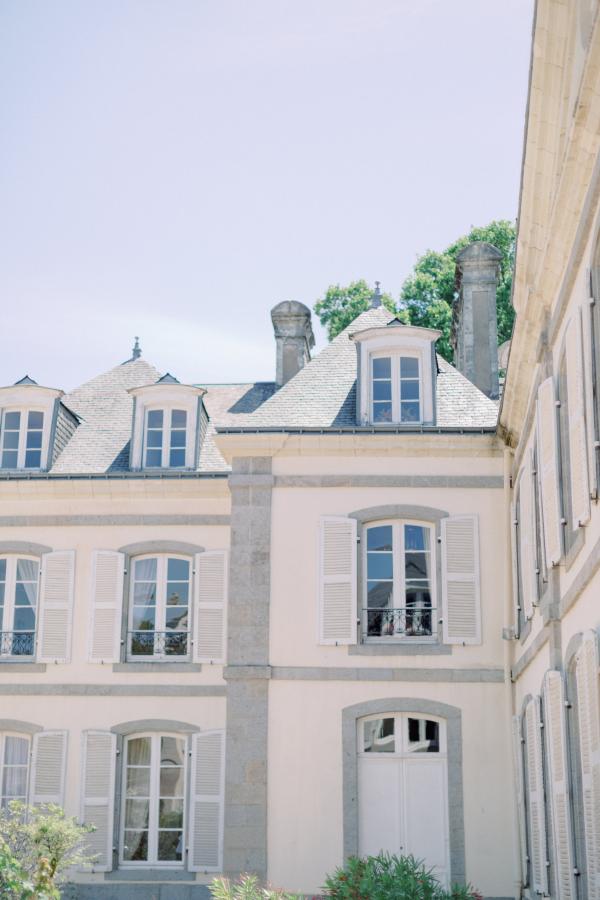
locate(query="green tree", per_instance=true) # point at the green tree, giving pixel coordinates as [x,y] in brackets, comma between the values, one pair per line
[427,295]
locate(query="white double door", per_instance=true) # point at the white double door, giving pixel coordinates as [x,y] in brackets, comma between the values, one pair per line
[403,808]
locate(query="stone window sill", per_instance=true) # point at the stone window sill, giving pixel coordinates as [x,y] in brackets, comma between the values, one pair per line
[149,875]
[400,649]
[23,665]
[157,667]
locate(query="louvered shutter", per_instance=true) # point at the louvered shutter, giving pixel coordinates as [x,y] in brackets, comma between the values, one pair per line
[337,612]
[587,326]
[520,793]
[56,606]
[548,457]
[578,450]
[527,537]
[555,730]
[514,545]
[206,807]
[535,797]
[210,607]
[47,782]
[98,795]
[107,606]
[586,675]
[461,606]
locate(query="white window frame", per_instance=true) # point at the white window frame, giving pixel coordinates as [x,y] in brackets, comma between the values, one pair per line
[161,606]
[23,432]
[154,801]
[9,607]
[25,737]
[402,746]
[399,580]
[167,430]
[395,358]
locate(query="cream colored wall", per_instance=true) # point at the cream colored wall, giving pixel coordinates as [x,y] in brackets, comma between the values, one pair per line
[305,824]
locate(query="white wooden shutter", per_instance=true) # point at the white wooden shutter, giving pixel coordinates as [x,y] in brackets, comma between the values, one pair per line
[210,607]
[104,643]
[587,327]
[47,782]
[56,606]
[461,605]
[578,449]
[527,537]
[555,729]
[535,797]
[548,457]
[586,675]
[98,795]
[520,793]
[338,611]
[206,807]
[514,546]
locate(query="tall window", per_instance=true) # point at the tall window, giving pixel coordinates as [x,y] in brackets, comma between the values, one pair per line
[153,813]
[22,432]
[159,608]
[166,438]
[396,389]
[14,768]
[399,582]
[18,605]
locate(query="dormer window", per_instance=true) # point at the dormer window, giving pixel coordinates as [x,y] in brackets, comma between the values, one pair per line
[22,432]
[397,371]
[168,421]
[395,389]
[166,438]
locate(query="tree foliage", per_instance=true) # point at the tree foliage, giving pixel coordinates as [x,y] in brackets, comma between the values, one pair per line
[427,295]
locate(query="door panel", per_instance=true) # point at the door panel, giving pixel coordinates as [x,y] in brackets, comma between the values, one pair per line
[426,812]
[378,806]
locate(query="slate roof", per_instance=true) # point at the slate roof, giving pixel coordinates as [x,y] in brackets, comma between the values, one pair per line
[323,393]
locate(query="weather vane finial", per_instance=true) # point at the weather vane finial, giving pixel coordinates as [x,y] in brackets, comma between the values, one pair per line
[376,298]
[136,349]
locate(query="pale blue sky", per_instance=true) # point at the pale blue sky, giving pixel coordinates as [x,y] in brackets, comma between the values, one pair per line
[174,168]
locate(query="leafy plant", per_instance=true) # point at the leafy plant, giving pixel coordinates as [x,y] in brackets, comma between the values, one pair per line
[246,888]
[386,877]
[40,843]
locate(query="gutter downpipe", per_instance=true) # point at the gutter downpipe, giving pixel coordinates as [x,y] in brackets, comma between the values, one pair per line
[509,689]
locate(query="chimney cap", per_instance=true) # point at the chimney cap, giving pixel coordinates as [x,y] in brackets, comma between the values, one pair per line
[478,252]
[293,318]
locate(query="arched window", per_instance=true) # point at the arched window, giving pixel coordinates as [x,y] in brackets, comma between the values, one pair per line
[19,576]
[153,811]
[159,610]
[402,788]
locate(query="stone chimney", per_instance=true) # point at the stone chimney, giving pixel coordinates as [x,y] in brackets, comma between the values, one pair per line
[474,324]
[294,338]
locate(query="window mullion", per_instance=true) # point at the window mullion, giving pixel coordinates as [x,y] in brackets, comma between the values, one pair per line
[22,440]
[395,372]
[154,792]
[166,438]
[399,587]
[161,598]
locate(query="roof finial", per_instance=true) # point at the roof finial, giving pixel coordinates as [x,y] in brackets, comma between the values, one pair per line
[136,352]
[376,298]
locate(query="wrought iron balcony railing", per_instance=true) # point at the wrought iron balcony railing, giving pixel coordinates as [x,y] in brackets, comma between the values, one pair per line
[17,643]
[406,622]
[158,643]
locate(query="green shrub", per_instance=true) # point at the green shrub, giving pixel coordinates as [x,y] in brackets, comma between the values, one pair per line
[386,877]
[246,888]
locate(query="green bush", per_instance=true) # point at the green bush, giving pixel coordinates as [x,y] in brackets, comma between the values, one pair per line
[386,877]
[247,888]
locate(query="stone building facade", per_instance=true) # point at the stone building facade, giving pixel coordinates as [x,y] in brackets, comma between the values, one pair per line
[266,626]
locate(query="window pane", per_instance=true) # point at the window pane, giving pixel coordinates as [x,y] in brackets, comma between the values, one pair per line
[143,618]
[24,619]
[423,736]
[142,642]
[417,565]
[135,846]
[16,751]
[416,537]
[177,459]
[418,620]
[33,459]
[409,412]
[35,419]
[170,846]
[178,569]
[382,367]
[171,781]
[144,593]
[2,570]
[409,367]
[382,390]
[177,617]
[14,782]
[177,593]
[378,736]
[137,813]
[379,594]
[153,457]
[382,412]
[138,782]
[178,418]
[27,569]
[154,438]
[379,566]
[409,390]
[138,751]
[170,814]
[9,459]
[11,440]
[155,418]
[178,439]
[12,420]
[172,752]
[145,569]
[175,643]
[34,440]
[379,538]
